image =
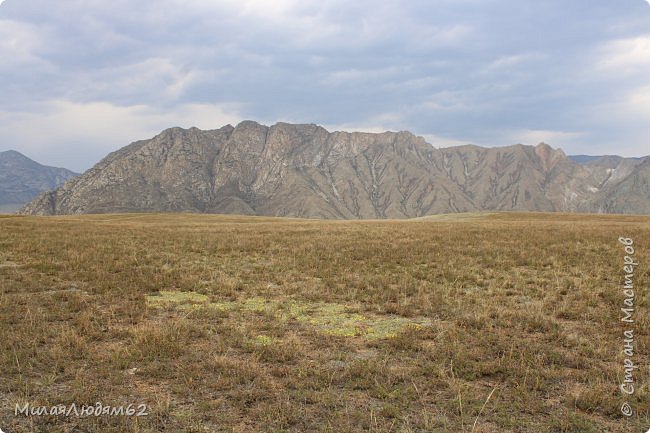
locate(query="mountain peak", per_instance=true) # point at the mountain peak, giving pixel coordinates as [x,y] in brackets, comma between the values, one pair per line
[548,156]
[13,154]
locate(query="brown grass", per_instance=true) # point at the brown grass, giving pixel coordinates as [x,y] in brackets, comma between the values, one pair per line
[522,330]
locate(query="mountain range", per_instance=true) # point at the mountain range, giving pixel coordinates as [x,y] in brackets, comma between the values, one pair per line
[22,179]
[302,170]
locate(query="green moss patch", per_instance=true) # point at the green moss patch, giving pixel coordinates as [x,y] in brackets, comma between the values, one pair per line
[328,318]
[264,340]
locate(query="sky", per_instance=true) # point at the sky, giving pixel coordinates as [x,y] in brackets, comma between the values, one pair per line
[82,78]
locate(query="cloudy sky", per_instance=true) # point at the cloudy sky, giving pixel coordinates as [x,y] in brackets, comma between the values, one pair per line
[80,78]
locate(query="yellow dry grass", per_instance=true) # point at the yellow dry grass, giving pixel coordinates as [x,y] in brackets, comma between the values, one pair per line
[255,324]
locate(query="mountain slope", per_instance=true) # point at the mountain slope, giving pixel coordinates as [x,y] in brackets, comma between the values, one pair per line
[306,171]
[630,195]
[22,179]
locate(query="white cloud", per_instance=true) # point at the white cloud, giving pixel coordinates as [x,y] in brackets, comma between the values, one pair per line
[432,37]
[334,24]
[625,57]
[631,108]
[637,103]
[453,101]
[72,134]
[19,44]
[513,61]
[356,76]
[440,141]
[163,77]
[450,69]
[536,136]
[379,123]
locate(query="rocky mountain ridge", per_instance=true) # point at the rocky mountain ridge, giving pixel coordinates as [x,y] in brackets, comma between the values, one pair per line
[306,171]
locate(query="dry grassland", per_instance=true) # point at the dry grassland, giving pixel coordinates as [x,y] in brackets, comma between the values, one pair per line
[487,323]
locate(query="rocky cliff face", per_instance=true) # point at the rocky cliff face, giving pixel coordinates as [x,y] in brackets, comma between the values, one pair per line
[306,171]
[625,189]
[22,179]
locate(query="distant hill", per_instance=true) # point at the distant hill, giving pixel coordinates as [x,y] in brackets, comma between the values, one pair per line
[607,161]
[306,171]
[22,179]
[582,159]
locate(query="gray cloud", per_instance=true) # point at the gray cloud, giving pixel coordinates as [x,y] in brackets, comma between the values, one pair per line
[492,72]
